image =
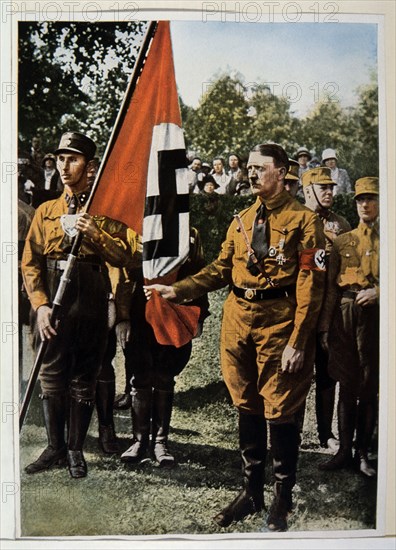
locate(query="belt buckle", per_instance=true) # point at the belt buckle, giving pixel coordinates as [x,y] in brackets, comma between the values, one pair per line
[249,294]
[62,264]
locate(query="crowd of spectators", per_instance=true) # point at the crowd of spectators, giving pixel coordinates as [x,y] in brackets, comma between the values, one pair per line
[229,177]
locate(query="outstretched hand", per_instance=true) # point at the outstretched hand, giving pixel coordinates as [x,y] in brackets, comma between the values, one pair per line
[165,291]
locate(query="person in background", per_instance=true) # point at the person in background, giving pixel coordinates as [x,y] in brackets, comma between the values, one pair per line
[209,185]
[206,168]
[318,193]
[220,176]
[50,173]
[292,181]
[339,175]
[349,327]
[193,172]
[36,153]
[303,157]
[153,366]
[234,164]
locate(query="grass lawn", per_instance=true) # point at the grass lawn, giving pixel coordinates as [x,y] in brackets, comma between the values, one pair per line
[116,499]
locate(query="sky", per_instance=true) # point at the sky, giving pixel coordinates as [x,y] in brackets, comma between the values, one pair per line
[301,61]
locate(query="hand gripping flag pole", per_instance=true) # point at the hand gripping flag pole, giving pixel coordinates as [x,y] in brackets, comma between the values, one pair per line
[72,256]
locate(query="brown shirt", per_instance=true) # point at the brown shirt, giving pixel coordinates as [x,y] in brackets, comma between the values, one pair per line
[353,265]
[333,225]
[291,228]
[47,238]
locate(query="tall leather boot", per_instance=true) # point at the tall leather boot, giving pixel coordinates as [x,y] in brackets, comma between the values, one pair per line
[54,419]
[285,440]
[253,447]
[141,416]
[366,420]
[105,391]
[160,423]
[79,420]
[324,405]
[124,400]
[346,429]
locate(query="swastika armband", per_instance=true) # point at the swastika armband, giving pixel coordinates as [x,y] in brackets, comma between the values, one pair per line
[313,259]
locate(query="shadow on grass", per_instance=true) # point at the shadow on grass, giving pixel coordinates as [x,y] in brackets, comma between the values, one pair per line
[196,465]
[335,492]
[189,399]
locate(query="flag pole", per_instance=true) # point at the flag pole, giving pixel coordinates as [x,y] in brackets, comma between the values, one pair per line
[137,70]
[72,256]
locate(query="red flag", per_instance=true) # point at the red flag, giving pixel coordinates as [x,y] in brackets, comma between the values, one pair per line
[121,189]
[143,182]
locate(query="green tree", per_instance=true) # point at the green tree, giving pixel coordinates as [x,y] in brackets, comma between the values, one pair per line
[220,122]
[365,155]
[272,120]
[329,125]
[73,75]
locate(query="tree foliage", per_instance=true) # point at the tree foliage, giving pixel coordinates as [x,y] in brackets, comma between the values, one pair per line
[73,76]
[232,118]
[221,122]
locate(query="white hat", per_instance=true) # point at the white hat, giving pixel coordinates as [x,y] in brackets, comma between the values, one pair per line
[328,154]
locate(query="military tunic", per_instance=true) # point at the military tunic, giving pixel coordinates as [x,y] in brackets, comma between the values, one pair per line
[74,356]
[255,333]
[353,329]
[333,225]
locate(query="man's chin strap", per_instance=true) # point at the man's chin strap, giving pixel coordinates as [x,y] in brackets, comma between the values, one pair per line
[323,210]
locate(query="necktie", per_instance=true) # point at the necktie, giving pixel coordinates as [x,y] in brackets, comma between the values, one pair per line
[259,239]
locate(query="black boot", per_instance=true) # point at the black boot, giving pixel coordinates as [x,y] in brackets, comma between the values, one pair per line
[346,428]
[105,391]
[324,405]
[366,420]
[54,408]
[284,446]
[253,447]
[141,416]
[123,402]
[79,420]
[162,412]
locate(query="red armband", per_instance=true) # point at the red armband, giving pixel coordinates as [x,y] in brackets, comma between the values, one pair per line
[313,259]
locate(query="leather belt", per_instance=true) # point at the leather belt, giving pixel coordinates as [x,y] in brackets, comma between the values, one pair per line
[90,261]
[254,295]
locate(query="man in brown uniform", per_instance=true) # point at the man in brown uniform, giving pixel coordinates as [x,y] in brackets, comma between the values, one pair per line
[292,181]
[318,192]
[350,326]
[268,327]
[75,348]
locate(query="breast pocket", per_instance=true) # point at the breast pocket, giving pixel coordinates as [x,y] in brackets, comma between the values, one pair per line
[350,257]
[52,230]
[284,239]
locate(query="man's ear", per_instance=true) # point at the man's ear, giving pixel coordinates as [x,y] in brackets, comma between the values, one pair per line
[90,164]
[282,172]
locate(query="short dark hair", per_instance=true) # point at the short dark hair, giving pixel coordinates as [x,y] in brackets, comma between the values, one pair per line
[234,155]
[275,151]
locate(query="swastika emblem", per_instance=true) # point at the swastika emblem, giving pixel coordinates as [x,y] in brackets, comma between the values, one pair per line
[320,259]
